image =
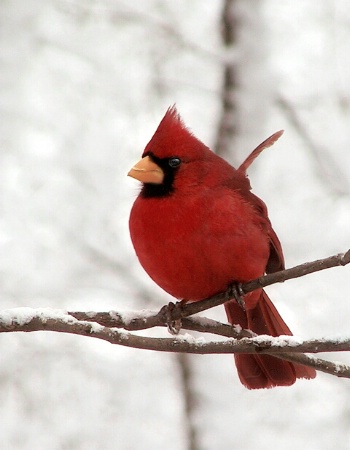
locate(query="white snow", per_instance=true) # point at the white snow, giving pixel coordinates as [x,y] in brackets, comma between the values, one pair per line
[25,315]
[20,316]
[129,316]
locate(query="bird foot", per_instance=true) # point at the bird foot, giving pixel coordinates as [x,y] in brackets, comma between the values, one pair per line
[174,325]
[235,291]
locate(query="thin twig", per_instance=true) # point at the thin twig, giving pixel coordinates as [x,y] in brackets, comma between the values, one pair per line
[149,319]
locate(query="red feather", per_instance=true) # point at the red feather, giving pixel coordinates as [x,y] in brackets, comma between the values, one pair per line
[203,229]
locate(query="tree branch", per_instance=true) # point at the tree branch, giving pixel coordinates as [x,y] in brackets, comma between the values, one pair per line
[104,325]
[149,319]
[29,320]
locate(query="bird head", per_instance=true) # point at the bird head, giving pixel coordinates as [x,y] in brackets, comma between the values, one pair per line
[173,158]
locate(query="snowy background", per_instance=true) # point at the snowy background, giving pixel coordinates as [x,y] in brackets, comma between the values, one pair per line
[83,86]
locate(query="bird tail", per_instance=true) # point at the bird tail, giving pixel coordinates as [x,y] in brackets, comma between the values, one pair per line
[263,371]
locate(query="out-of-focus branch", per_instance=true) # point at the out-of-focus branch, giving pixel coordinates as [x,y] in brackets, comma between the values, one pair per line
[327,167]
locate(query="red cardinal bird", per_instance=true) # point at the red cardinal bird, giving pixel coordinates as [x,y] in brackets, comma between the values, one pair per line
[196,227]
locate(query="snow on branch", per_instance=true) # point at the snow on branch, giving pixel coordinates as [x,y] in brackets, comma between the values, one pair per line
[115,327]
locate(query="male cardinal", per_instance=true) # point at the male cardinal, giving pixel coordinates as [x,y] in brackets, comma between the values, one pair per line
[196,228]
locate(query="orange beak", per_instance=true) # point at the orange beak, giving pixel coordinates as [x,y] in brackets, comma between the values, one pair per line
[147,171]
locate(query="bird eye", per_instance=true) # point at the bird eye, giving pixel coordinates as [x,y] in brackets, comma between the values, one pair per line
[174,162]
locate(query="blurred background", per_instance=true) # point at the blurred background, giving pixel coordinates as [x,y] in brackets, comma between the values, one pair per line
[83,86]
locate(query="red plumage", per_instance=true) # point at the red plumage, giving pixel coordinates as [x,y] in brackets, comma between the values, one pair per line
[196,227]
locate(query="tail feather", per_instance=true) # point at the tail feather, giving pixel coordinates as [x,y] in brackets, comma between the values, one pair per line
[258,372]
[264,371]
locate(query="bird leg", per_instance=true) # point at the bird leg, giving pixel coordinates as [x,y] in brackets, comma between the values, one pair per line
[235,291]
[174,325]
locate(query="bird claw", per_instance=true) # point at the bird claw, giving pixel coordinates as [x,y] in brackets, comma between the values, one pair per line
[235,291]
[174,326]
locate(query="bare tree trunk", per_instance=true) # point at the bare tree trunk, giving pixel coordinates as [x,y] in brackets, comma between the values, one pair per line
[188,395]
[245,91]
[227,126]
